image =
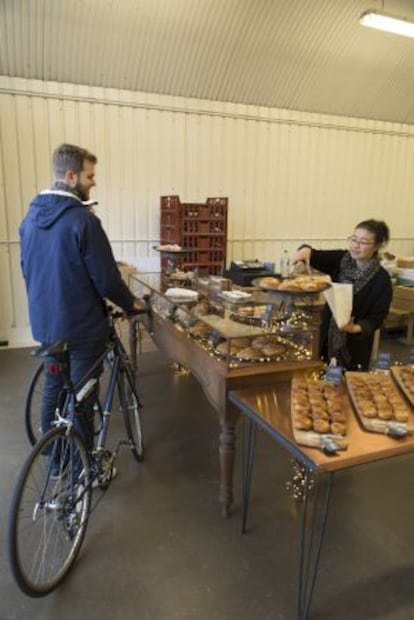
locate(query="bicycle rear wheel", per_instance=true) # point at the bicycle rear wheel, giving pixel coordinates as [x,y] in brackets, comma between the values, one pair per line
[131,409]
[33,405]
[49,512]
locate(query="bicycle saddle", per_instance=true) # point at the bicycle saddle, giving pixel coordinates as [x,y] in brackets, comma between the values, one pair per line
[51,350]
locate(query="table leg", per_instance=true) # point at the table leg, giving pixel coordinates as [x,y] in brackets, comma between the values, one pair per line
[315,510]
[249,444]
[226,453]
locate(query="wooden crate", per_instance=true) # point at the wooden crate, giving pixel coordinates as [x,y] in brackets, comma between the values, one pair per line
[199,226]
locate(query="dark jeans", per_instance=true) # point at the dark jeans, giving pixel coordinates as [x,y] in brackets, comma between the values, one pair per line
[81,358]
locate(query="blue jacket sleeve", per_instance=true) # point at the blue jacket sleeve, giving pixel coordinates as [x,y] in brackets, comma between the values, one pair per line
[101,265]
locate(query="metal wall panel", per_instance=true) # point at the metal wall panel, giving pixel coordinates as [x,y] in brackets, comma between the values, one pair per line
[290,177]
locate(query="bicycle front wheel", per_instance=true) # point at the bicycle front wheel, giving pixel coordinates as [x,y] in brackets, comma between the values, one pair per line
[131,409]
[49,512]
[33,405]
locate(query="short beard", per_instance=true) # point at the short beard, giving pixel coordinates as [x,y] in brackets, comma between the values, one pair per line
[64,187]
[81,192]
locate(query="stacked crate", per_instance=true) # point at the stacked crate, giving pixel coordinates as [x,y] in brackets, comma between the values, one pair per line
[201,227]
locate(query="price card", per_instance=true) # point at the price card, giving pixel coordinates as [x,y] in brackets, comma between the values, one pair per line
[383,361]
[334,374]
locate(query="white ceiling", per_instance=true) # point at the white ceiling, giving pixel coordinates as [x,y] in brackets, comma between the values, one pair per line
[309,55]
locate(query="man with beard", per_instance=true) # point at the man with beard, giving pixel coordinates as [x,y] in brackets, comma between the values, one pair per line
[69,270]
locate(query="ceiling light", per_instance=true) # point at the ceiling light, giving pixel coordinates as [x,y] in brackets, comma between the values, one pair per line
[389,23]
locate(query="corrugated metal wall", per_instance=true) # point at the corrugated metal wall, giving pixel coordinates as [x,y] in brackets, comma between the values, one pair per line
[289,176]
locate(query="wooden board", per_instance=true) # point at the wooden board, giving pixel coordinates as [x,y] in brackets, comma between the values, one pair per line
[399,373]
[309,400]
[377,392]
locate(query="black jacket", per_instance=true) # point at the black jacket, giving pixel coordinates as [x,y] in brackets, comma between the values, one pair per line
[370,307]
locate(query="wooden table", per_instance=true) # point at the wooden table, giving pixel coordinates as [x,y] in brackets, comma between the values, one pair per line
[215,377]
[269,408]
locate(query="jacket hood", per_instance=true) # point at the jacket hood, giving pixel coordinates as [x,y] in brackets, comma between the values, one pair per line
[49,206]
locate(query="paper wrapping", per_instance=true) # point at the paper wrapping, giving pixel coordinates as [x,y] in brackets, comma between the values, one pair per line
[339,298]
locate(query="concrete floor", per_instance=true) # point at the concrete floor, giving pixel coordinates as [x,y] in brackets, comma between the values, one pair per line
[157,548]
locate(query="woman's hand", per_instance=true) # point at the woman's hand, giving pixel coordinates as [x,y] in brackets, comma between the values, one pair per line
[303,254]
[351,327]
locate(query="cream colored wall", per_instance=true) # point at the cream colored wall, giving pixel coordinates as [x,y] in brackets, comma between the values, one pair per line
[290,177]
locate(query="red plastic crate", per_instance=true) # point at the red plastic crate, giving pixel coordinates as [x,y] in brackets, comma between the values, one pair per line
[204,243]
[171,202]
[170,218]
[204,227]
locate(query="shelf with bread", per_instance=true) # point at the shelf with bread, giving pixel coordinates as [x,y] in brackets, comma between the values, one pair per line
[235,328]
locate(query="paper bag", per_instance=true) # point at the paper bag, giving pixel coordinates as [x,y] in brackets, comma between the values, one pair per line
[339,298]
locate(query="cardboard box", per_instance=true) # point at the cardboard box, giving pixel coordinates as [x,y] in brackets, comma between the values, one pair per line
[126,270]
[403,298]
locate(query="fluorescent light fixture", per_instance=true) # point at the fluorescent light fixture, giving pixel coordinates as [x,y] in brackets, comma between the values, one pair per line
[389,23]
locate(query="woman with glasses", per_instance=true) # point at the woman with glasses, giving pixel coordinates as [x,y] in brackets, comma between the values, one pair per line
[372,289]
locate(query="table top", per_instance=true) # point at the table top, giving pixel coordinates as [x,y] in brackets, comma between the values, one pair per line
[270,408]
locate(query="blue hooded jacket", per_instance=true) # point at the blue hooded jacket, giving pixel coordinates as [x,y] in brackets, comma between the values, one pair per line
[69,269]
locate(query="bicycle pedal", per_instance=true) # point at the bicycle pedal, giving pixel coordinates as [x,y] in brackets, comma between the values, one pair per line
[103,480]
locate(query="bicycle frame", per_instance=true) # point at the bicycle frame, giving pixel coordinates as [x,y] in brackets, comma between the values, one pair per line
[119,364]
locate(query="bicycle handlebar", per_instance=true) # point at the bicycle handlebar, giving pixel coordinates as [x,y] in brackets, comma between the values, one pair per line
[119,314]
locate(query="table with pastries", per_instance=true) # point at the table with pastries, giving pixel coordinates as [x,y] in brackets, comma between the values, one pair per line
[378,423]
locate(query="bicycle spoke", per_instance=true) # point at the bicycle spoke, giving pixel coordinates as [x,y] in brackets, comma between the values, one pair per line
[48,520]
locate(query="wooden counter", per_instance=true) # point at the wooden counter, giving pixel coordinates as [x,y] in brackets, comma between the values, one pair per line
[216,380]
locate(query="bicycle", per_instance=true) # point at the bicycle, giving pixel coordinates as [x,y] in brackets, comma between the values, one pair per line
[51,502]
[33,405]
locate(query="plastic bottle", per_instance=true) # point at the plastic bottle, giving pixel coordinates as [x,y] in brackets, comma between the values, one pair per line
[285,264]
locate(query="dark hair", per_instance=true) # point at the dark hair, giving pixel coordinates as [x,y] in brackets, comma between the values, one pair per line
[378,228]
[70,157]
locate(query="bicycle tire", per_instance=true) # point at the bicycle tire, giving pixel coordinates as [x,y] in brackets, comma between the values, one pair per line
[131,409]
[49,512]
[33,405]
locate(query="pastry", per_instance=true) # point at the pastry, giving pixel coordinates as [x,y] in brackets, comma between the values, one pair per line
[376,396]
[317,402]
[269,282]
[249,353]
[400,414]
[199,330]
[241,343]
[321,426]
[223,348]
[271,350]
[303,422]
[338,428]
[259,341]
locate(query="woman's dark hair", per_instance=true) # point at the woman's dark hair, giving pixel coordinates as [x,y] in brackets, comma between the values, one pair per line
[378,228]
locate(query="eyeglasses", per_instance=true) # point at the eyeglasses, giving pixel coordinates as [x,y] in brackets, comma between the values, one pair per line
[356,241]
